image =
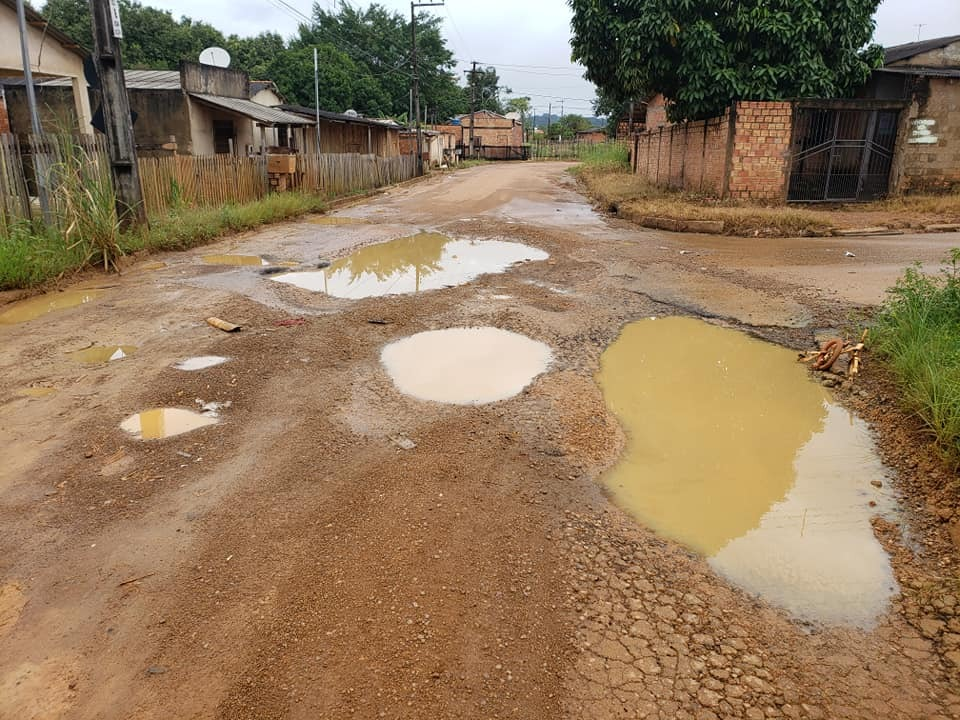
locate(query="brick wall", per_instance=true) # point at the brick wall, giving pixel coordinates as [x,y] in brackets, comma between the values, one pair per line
[760,151]
[744,157]
[929,158]
[656,111]
[685,156]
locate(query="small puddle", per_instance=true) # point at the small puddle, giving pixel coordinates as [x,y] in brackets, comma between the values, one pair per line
[102,353]
[165,422]
[465,366]
[234,260]
[427,261]
[201,362]
[32,308]
[336,220]
[733,451]
[36,392]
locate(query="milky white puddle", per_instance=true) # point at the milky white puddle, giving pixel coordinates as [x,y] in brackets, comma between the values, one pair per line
[200,362]
[733,451]
[427,261]
[161,423]
[465,366]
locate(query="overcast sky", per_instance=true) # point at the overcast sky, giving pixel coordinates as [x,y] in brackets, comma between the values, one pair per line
[527,40]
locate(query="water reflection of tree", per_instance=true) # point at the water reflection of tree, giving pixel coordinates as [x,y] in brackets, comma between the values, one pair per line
[421,252]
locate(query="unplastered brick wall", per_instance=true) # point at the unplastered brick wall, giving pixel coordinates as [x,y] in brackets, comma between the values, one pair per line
[760,151]
[930,156]
[685,156]
[743,156]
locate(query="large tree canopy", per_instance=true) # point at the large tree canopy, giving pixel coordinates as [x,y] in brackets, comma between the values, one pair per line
[703,54]
[364,54]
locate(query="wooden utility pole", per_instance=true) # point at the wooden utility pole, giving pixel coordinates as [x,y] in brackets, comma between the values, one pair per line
[549,119]
[107,33]
[416,78]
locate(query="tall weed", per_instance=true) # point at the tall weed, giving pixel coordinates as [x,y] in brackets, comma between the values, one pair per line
[918,334]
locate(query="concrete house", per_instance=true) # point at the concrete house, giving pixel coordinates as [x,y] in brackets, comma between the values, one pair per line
[52,55]
[926,75]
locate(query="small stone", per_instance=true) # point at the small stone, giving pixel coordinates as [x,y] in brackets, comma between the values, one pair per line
[156,670]
[876,483]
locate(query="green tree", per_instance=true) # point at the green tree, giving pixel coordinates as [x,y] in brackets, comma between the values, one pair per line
[487,89]
[705,54]
[568,126]
[152,39]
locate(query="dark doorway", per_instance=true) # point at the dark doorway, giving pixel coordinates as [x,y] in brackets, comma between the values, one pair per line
[223,136]
[841,154]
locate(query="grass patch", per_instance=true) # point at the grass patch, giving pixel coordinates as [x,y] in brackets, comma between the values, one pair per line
[608,179]
[918,334]
[31,253]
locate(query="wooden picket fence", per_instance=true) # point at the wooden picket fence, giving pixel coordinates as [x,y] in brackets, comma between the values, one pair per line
[14,198]
[187,180]
[31,179]
[335,174]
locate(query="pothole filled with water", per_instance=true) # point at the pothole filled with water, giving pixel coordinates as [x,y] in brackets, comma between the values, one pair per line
[427,261]
[238,260]
[102,353]
[733,451]
[32,308]
[201,362]
[159,423]
[465,366]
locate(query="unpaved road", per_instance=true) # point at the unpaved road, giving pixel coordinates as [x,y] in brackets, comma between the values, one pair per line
[292,562]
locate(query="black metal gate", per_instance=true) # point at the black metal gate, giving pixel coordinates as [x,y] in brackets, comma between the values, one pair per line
[842,154]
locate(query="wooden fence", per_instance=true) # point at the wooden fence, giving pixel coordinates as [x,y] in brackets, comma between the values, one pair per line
[31,177]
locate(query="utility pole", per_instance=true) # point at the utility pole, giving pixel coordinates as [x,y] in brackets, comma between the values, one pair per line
[473,101]
[416,77]
[549,119]
[32,107]
[105,15]
[316,94]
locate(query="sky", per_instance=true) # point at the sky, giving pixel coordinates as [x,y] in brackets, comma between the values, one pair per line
[527,40]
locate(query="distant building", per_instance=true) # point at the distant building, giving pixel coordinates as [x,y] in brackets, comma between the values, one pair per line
[490,130]
[349,132]
[592,136]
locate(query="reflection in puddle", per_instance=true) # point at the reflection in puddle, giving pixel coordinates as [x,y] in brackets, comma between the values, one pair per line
[40,305]
[465,366]
[734,452]
[427,261]
[102,353]
[234,260]
[200,362]
[165,422]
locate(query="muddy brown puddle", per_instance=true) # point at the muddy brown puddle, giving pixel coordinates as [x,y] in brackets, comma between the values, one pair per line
[237,260]
[35,307]
[102,353]
[735,452]
[159,423]
[465,366]
[426,261]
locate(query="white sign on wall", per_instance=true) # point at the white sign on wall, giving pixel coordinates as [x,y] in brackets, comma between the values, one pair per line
[115,18]
[921,132]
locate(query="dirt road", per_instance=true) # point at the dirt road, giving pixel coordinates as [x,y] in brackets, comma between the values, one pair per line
[293,562]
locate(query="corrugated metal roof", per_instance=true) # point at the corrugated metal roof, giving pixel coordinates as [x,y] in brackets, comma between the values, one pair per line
[337,117]
[943,72]
[152,79]
[897,53]
[260,113]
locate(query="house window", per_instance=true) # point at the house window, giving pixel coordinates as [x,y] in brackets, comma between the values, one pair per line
[223,135]
[282,136]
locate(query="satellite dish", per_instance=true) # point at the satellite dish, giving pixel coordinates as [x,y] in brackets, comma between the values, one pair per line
[216,56]
[351,113]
